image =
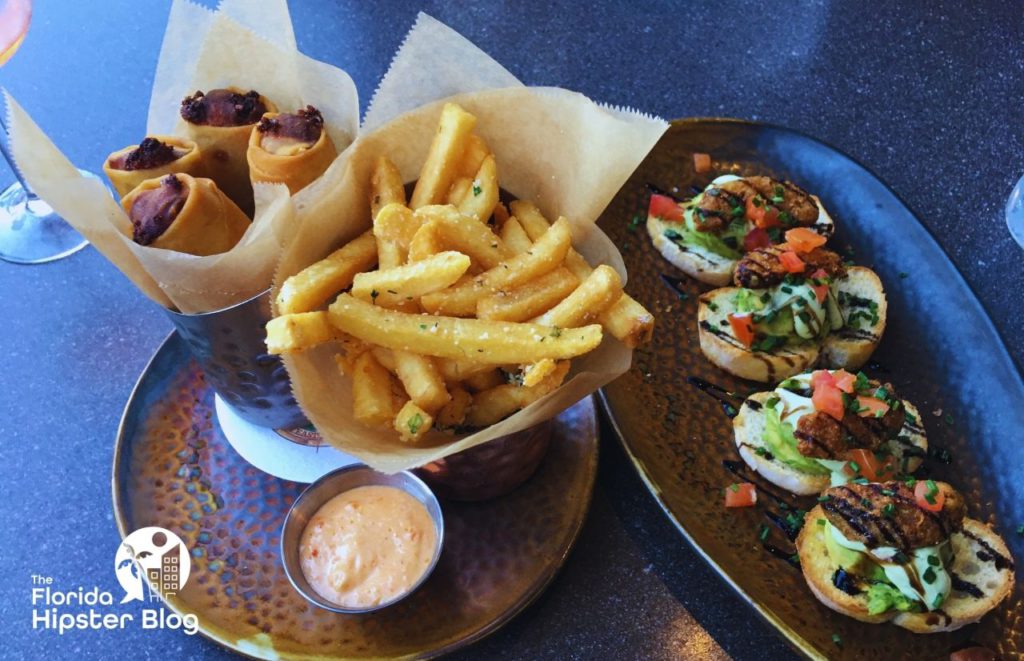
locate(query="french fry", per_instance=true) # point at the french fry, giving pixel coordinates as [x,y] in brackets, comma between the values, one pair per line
[485,380]
[456,370]
[537,372]
[626,320]
[543,257]
[530,300]
[412,422]
[446,151]
[513,234]
[385,186]
[500,215]
[425,242]
[466,234]
[474,154]
[298,331]
[314,285]
[421,379]
[372,400]
[393,228]
[396,223]
[449,337]
[459,190]
[597,293]
[454,412]
[482,196]
[396,286]
[491,406]
[386,358]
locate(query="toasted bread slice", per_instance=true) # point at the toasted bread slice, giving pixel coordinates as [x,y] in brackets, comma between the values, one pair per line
[721,347]
[706,266]
[960,609]
[694,261]
[749,427]
[852,345]
[859,288]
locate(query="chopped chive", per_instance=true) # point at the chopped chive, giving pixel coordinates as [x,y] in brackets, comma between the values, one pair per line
[822,522]
[477,190]
[763,535]
[888,510]
[837,639]
[734,487]
[415,422]
[824,499]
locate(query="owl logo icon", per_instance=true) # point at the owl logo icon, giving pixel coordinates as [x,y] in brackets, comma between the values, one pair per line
[155,557]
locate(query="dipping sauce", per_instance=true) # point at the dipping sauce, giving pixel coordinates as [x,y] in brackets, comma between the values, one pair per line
[367,546]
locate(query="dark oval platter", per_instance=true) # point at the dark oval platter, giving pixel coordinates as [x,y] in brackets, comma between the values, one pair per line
[940,351]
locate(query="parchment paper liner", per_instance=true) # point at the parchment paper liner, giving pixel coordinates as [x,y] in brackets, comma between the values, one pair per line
[201,50]
[554,147]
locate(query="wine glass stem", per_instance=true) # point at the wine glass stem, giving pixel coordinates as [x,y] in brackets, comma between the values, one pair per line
[5,149]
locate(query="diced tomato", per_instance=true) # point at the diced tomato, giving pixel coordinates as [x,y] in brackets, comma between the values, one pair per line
[820,291]
[802,239]
[792,262]
[926,489]
[756,238]
[743,494]
[761,214]
[701,162]
[742,328]
[664,207]
[869,406]
[821,377]
[844,381]
[869,466]
[829,399]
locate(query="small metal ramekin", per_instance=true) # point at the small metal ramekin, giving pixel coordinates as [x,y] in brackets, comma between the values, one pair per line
[329,486]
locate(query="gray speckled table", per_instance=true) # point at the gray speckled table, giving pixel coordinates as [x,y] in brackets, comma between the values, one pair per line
[927,94]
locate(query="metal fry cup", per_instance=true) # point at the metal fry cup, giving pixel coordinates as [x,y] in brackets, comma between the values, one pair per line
[230,346]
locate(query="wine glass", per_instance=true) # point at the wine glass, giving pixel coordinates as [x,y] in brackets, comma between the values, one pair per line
[1015,213]
[30,231]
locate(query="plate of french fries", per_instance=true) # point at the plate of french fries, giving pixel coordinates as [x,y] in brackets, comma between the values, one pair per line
[460,305]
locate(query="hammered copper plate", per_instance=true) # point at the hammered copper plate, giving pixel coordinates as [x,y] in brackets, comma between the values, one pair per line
[955,367]
[173,468]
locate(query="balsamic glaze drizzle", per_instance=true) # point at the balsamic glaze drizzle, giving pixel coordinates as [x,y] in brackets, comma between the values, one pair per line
[989,554]
[658,191]
[675,284]
[723,396]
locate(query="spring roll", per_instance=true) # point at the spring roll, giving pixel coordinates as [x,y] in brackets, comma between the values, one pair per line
[182,213]
[152,158]
[290,148]
[220,122]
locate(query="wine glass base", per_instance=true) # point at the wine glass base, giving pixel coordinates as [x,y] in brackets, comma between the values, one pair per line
[31,232]
[1015,213]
